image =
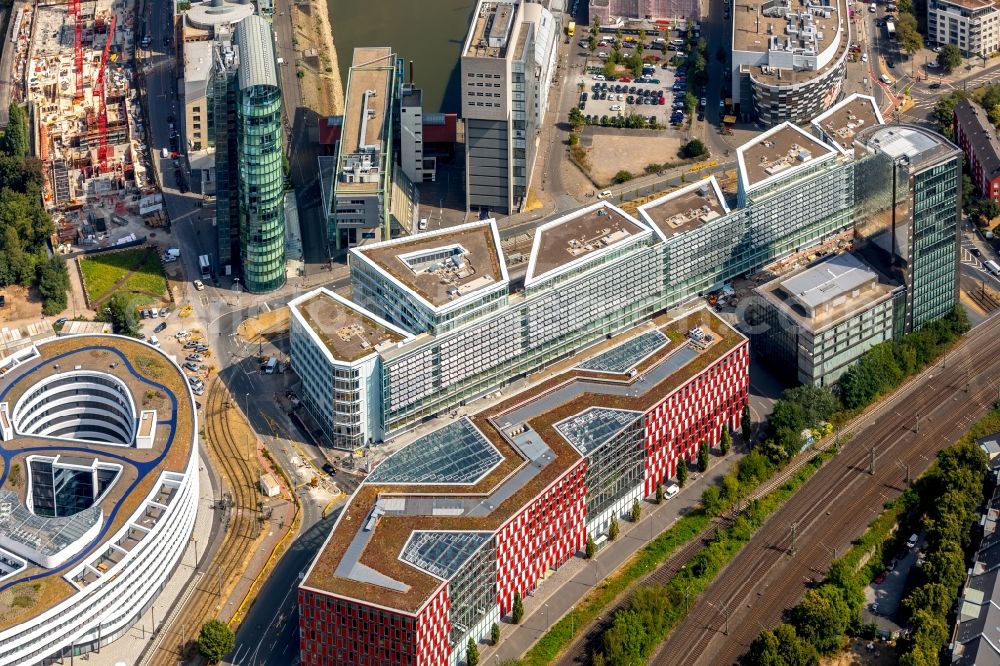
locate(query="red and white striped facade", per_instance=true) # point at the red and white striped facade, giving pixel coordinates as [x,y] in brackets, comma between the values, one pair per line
[543,535]
[335,630]
[694,413]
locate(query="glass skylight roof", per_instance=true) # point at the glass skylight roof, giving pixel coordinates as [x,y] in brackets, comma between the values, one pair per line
[455,453]
[592,427]
[626,355]
[442,554]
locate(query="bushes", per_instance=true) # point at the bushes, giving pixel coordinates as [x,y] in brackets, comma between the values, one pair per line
[693,148]
[884,366]
[623,176]
[949,493]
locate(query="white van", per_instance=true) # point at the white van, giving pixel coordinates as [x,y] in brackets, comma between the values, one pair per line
[153,341]
[671,491]
[871,8]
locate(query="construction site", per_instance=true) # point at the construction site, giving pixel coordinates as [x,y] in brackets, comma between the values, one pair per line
[86,118]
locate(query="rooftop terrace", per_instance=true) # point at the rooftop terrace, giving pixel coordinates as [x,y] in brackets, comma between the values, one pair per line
[778,152]
[154,384]
[686,208]
[841,122]
[577,236]
[444,266]
[379,552]
[345,329]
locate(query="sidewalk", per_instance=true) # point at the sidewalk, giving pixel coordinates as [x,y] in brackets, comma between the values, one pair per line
[558,595]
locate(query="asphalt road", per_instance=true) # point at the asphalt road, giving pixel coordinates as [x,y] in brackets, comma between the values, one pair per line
[836,505]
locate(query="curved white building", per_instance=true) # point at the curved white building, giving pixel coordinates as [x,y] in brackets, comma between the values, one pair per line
[98,491]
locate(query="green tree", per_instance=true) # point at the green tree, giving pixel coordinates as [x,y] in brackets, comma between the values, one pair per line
[15,137]
[576,117]
[591,548]
[471,653]
[711,501]
[53,282]
[574,139]
[730,489]
[215,641]
[944,110]
[659,493]
[636,511]
[682,471]
[592,42]
[623,176]
[609,69]
[517,612]
[120,313]
[694,147]
[822,618]
[495,634]
[932,597]
[946,565]
[909,37]
[703,457]
[781,647]
[746,424]
[818,403]
[613,528]
[984,210]
[725,441]
[690,102]
[950,57]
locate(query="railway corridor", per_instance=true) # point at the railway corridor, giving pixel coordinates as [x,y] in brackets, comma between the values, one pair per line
[898,437]
[232,447]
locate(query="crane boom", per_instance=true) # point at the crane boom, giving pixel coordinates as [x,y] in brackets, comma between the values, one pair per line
[102,114]
[74,12]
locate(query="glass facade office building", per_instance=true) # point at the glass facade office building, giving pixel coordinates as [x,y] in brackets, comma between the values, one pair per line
[259,156]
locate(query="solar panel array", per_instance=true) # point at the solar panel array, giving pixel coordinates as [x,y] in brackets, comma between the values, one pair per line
[455,453]
[442,554]
[592,427]
[626,355]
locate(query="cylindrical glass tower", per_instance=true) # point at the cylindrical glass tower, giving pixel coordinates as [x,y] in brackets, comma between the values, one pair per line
[259,153]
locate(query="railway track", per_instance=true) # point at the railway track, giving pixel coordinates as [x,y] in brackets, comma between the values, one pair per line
[980,295]
[579,651]
[235,459]
[835,506]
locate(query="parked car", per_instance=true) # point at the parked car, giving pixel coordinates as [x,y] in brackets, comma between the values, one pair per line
[879,579]
[164,312]
[194,358]
[874,607]
[161,327]
[191,366]
[934,86]
[199,285]
[191,344]
[616,107]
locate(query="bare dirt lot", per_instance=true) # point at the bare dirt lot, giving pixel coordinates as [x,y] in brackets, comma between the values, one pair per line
[858,654]
[611,150]
[22,305]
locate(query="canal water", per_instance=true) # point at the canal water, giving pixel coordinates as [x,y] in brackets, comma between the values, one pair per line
[428,32]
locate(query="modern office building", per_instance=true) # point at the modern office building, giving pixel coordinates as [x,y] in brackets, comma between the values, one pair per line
[971,25]
[788,60]
[817,321]
[366,197]
[342,366]
[259,153]
[908,201]
[411,136]
[507,58]
[976,136]
[433,547]
[100,491]
[597,271]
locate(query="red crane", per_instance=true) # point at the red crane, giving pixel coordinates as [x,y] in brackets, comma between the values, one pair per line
[102,114]
[74,12]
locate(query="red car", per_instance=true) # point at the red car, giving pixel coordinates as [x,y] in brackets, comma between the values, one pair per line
[662,101]
[625,79]
[879,579]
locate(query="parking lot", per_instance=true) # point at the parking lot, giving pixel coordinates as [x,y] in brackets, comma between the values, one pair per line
[883,596]
[657,96]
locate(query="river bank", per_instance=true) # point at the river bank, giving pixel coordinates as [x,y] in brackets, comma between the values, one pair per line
[316,58]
